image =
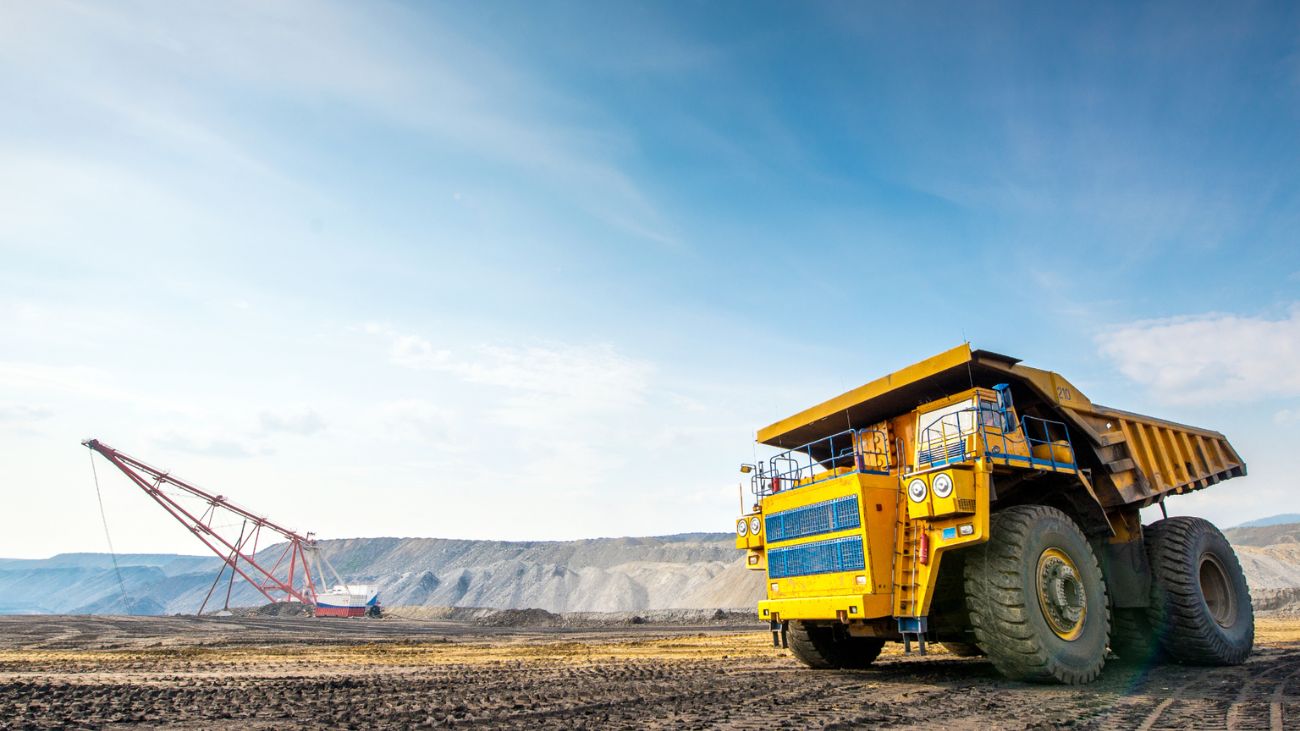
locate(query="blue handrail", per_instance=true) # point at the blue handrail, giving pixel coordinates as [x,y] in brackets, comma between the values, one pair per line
[802,466]
[947,442]
[1046,424]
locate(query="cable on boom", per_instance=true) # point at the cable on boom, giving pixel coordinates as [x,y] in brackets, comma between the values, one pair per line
[103,517]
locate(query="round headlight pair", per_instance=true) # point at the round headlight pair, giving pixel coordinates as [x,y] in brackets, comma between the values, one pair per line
[917,489]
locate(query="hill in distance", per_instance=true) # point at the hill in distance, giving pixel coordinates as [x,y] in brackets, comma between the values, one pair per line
[1281,519]
[682,572]
[688,571]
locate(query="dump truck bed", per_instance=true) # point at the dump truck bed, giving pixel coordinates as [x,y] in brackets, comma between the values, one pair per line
[1131,459]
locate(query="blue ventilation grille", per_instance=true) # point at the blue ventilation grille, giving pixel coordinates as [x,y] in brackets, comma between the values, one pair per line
[822,557]
[809,520]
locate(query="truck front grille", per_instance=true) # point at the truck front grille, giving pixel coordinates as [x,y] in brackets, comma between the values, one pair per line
[810,520]
[822,557]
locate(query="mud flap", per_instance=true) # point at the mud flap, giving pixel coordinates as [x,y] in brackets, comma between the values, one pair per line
[1127,573]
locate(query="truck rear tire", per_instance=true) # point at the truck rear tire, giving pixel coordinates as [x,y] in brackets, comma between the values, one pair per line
[1037,599]
[1200,603]
[831,646]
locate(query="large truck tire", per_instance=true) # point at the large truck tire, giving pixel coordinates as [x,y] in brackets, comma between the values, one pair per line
[1132,639]
[1037,599]
[1200,603]
[831,647]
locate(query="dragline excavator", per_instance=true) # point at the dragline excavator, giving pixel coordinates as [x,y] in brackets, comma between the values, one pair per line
[248,544]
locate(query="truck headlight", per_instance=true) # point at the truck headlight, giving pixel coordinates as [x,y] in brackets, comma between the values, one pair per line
[916,490]
[742,527]
[942,485]
[755,525]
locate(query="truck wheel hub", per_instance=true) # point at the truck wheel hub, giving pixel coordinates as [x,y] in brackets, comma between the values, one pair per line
[1060,594]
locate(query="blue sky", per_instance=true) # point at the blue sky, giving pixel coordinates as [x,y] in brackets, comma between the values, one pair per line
[498,270]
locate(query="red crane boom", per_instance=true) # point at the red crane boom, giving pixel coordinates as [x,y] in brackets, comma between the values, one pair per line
[289,578]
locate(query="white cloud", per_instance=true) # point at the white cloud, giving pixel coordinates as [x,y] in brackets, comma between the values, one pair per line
[411,351]
[563,376]
[18,413]
[431,81]
[545,409]
[210,447]
[303,421]
[30,378]
[420,420]
[1209,358]
[1286,417]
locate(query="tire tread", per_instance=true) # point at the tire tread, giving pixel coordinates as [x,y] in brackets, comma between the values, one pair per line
[1185,629]
[999,609]
[822,648]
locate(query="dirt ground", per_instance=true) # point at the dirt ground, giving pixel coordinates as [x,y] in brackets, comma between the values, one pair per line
[250,673]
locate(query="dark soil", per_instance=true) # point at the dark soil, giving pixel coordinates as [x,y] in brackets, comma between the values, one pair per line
[166,680]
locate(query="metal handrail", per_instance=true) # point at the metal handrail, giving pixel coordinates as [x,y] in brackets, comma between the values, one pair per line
[1047,439]
[940,428]
[788,470]
[801,467]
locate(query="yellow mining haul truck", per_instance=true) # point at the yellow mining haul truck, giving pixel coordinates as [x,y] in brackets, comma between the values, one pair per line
[990,506]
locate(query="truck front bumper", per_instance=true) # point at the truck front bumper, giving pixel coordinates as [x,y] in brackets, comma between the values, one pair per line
[842,608]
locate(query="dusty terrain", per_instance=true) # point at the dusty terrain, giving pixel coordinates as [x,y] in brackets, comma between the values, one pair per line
[256,672]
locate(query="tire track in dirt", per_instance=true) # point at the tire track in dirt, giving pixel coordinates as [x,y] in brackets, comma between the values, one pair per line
[1279,700]
[1261,695]
[1236,698]
[594,680]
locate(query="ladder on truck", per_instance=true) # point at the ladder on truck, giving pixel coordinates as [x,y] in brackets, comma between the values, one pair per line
[909,536]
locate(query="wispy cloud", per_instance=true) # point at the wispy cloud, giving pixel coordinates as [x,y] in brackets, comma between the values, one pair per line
[20,414]
[550,406]
[211,447]
[571,377]
[398,65]
[1209,358]
[423,421]
[302,421]
[71,380]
